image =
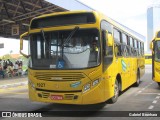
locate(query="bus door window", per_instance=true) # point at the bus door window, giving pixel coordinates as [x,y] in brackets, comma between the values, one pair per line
[107,30]
[157,51]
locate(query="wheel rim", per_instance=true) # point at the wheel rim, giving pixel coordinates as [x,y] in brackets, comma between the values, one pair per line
[116,90]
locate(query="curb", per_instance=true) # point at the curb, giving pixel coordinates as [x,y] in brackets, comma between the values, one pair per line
[13,85]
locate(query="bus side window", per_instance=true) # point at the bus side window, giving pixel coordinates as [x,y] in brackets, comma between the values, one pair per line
[130,45]
[132,51]
[131,41]
[117,36]
[125,45]
[129,51]
[118,49]
[125,50]
[135,48]
[124,39]
[117,39]
[142,49]
[139,49]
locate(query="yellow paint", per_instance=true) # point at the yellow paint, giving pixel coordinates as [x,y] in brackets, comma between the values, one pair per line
[148,59]
[99,93]
[156,63]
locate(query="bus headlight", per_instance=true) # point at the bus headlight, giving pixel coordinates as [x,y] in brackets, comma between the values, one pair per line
[87,87]
[95,82]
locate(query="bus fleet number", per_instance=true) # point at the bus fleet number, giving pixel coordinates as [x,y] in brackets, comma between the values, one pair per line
[40,84]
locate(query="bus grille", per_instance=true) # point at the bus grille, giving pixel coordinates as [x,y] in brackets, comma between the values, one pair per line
[69,96]
[45,95]
[67,76]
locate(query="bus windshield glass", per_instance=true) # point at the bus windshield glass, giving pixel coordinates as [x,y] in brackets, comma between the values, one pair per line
[55,50]
[157,51]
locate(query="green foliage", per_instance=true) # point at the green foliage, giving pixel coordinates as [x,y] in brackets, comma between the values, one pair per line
[7,56]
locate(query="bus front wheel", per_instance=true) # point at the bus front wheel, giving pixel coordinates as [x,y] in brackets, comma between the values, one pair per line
[116,93]
[158,83]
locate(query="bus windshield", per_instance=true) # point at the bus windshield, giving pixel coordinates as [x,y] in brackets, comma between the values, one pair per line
[157,50]
[53,50]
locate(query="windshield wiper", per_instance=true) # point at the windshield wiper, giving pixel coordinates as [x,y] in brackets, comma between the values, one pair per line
[44,38]
[70,35]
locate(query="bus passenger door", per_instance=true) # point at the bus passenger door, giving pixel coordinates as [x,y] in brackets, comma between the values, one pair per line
[156,61]
[129,66]
[122,63]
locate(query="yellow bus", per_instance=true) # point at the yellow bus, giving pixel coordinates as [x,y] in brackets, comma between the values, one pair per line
[155,47]
[81,57]
[148,58]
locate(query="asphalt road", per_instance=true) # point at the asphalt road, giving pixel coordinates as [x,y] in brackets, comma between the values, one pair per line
[134,101]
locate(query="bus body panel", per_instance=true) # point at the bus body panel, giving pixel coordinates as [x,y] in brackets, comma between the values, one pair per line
[148,59]
[67,86]
[99,93]
[141,66]
[154,46]
[156,72]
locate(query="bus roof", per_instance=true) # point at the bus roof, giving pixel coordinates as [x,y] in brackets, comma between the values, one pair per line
[101,16]
[122,27]
[61,13]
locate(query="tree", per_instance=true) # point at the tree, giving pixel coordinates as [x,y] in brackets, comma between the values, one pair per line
[7,56]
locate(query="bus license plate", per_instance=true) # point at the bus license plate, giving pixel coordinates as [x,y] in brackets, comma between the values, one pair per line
[56,97]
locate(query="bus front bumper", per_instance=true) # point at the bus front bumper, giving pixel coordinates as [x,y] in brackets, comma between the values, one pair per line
[93,96]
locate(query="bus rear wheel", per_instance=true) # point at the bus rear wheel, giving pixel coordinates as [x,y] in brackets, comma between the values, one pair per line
[158,83]
[116,93]
[138,79]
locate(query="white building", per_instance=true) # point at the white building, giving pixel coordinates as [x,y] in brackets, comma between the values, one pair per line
[153,22]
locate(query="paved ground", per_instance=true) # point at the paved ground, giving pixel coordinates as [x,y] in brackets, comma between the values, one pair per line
[134,101]
[10,82]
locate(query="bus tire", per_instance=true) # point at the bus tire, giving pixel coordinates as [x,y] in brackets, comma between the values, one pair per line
[138,79]
[116,93]
[158,83]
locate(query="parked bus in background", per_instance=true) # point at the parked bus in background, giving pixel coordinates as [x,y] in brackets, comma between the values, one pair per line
[81,57]
[155,47]
[148,58]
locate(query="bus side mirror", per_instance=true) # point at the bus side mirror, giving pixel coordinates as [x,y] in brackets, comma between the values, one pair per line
[21,39]
[110,40]
[21,44]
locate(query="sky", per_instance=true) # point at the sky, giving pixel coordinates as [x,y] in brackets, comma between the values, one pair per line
[131,13]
